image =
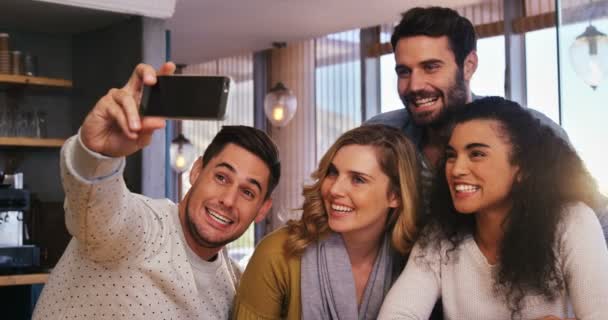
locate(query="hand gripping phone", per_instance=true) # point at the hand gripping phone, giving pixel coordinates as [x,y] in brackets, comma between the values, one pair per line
[187,97]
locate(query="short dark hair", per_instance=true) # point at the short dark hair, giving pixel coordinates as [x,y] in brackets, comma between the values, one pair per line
[437,22]
[253,140]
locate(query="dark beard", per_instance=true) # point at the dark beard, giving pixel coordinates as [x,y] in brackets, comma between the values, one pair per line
[456,99]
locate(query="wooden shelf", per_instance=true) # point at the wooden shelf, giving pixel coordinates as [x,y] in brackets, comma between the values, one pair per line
[31,142]
[23,279]
[36,81]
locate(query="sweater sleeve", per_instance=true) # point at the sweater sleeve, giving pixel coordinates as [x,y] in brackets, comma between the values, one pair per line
[417,289]
[265,288]
[584,262]
[107,220]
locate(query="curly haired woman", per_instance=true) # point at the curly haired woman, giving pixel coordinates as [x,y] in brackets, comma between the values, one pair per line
[511,232]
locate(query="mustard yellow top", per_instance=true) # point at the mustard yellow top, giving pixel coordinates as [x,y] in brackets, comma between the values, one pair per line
[270,286]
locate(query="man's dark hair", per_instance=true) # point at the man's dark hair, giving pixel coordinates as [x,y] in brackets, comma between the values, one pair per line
[437,22]
[253,140]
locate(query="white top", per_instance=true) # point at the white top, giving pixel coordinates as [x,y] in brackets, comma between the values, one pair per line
[465,283]
[128,258]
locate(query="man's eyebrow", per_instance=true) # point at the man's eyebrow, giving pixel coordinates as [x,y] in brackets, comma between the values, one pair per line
[226,165]
[431,61]
[231,168]
[255,183]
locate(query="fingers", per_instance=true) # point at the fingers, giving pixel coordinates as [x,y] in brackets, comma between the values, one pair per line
[146,75]
[149,125]
[167,68]
[129,107]
[143,74]
[152,123]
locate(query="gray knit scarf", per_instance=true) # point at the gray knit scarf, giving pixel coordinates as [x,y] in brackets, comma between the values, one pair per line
[328,286]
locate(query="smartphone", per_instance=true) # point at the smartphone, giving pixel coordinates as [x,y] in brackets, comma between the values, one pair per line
[187,97]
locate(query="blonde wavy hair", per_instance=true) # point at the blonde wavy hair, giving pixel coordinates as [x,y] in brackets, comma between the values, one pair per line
[397,158]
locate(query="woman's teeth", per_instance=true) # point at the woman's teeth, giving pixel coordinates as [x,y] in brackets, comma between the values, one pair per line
[340,208]
[465,188]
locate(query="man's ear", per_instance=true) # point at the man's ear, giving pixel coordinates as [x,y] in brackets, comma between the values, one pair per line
[264,209]
[470,65]
[196,169]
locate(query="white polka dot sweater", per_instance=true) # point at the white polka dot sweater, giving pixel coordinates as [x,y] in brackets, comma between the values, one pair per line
[128,258]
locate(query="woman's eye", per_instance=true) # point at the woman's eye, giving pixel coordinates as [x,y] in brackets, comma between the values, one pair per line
[477,154]
[359,179]
[332,172]
[450,155]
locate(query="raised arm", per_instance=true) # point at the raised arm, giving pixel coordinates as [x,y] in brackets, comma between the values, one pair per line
[107,220]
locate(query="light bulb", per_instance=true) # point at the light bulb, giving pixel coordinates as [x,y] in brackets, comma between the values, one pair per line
[280,105]
[182,153]
[180,161]
[278,112]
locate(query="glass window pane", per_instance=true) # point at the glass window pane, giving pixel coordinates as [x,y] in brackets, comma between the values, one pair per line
[489,79]
[389,98]
[337,86]
[541,72]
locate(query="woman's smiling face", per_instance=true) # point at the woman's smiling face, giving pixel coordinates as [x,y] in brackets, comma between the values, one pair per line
[478,167]
[355,191]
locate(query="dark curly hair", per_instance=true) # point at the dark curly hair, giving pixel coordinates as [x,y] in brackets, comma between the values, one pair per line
[552,176]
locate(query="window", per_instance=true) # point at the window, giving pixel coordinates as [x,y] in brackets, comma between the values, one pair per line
[337,86]
[541,72]
[489,79]
[389,97]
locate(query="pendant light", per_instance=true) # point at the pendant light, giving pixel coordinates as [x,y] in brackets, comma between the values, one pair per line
[182,153]
[589,56]
[280,103]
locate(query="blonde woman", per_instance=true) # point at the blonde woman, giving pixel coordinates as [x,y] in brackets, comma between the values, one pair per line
[359,220]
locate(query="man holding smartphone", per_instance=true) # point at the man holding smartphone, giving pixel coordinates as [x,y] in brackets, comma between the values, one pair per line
[136,257]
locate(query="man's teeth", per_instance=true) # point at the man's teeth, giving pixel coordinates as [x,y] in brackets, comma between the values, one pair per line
[217,217]
[340,208]
[425,101]
[465,188]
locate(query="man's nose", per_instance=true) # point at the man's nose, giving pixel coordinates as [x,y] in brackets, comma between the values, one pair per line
[417,81]
[228,197]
